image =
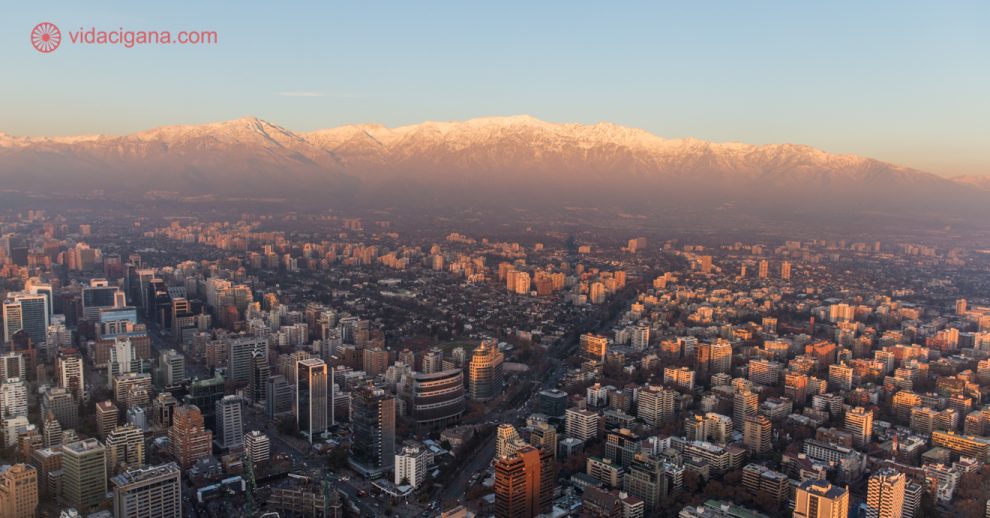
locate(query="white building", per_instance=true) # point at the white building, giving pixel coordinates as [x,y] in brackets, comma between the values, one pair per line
[410,465]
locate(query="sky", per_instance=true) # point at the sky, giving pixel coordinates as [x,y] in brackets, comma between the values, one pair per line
[901,81]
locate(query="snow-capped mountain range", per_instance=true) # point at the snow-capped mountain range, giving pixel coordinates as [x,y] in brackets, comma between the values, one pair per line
[493,155]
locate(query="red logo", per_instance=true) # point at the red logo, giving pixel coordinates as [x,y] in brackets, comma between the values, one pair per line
[45,37]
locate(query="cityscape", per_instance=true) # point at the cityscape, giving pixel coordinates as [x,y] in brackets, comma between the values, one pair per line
[210,315]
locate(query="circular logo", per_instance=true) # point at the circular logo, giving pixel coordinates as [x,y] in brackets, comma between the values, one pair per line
[45,37]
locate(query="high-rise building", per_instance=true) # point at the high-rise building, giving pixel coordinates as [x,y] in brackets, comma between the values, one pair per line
[313,405]
[107,416]
[258,386]
[859,423]
[820,499]
[744,404]
[433,361]
[84,479]
[524,484]
[544,437]
[373,427]
[757,432]
[240,356]
[410,465]
[581,424]
[785,270]
[189,441]
[71,376]
[28,312]
[885,495]
[154,491]
[230,427]
[13,399]
[172,366]
[655,405]
[763,268]
[436,400]
[485,372]
[60,402]
[594,347]
[18,491]
[507,440]
[12,365]
[721,357]
[257,446]
[125,448]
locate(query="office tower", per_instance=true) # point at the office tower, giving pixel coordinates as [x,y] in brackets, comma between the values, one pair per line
[785,270]
[594,347]
[230,427]
[240,356]
[524,484]
[820,499]
[410,465]
[859,423]
[312,397]
[375,361]
[744,404]
[18,491]
[655,405]
[721,357]
[71,376]
[885,496]
[12,365]
[435,401]
[154,491]
[52,433]
[172,366]
[107,416]
[258,388]
[373,426]
[13,399]
[84,479]
[257,446]
[189,441]
[581,424]
[204,394]
[433,361]
[99,296]
[279,396]
[125,448]
[507,440]
[552,402]
[544,437]
[757,432]
[61,403]
[764,268]
[23,311]
[485,372]
[162,410]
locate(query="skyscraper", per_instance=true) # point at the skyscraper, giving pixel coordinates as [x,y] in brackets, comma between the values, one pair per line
[820,499]
[18,491]
[84,482]
[524,483]
[485,372]
[153,491]
[188,439]
[71,376]
[655,405]
[107,415]
[373,425]
[230,427]
[28,312]
[885,496]
[312,402]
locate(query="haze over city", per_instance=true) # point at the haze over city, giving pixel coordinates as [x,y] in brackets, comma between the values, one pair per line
[505,260]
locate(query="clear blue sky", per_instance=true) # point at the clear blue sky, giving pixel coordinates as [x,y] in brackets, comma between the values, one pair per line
[903,81]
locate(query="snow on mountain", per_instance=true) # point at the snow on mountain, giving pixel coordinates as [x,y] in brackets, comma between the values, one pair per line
[515,154]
